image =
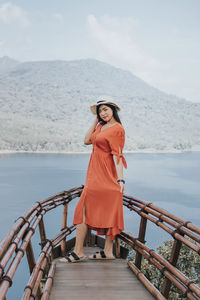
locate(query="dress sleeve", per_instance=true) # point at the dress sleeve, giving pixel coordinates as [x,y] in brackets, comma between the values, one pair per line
[116,142]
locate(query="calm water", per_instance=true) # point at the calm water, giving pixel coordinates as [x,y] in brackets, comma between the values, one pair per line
[170,181]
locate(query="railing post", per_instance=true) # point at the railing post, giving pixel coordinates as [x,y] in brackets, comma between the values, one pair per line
[64,224]
[117,241]
[88,238]
[142,232]
[30,257]
[173,261]
[42,232]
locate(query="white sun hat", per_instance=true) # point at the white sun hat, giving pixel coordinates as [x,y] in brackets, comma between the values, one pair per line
[103,100]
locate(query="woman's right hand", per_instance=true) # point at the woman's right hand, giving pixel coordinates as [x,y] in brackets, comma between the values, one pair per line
[122,187]
[87,139]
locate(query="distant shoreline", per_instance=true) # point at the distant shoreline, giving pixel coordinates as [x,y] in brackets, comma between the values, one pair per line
[147,151]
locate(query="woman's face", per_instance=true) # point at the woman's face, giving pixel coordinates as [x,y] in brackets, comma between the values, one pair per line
[105,113]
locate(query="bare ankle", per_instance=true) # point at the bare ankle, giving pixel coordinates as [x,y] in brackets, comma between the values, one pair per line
[79,252]
[108,253]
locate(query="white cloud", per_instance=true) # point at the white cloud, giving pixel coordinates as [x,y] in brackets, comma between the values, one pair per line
[114,38]
[10,13]
[117,41]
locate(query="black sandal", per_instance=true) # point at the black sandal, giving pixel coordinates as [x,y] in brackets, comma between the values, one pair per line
[67,260]
[102,253]
[102,256]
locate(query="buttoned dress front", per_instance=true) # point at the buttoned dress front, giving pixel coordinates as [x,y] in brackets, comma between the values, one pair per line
[101,193]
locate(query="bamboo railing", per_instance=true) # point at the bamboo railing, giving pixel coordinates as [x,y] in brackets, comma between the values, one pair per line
[18,242]
[182,233]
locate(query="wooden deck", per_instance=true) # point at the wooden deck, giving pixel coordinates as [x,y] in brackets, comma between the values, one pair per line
[97,280]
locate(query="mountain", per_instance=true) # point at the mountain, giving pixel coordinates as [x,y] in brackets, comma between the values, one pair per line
[44,106]
[7,63]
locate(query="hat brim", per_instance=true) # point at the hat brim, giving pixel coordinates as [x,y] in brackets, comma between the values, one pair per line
[93,108]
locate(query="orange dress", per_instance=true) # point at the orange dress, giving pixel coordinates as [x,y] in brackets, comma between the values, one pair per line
[101,193]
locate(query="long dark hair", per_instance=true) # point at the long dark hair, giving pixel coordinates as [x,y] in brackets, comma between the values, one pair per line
[115,113]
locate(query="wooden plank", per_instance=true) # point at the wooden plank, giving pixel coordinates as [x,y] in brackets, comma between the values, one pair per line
[97,279]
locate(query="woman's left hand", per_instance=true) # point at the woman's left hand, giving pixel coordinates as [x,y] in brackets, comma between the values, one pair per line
[122,187]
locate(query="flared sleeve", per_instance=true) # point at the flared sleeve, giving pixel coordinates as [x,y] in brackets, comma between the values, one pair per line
[116,142]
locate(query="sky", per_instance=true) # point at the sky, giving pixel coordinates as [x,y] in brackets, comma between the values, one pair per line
[156,40]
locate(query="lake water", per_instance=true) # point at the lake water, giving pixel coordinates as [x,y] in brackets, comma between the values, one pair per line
[170,181]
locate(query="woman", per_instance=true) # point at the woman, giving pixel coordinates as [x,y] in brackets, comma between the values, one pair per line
[100,206]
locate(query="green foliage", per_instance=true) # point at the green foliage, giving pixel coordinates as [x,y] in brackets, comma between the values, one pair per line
[188,263]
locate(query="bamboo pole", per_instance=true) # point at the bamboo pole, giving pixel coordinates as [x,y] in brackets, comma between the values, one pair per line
[13,246]
[29,287]
[16,260]
[158,209]
[169,275]
[180,226]
[12,268]
[23,229]
[88,238]
[193,227]
[59,237]
[117,240]
[151,255]
[146,282]
[30,257]
[15,228]
[36,288]
[9,236]
[141,236]
[49,282]
[175,233]
[64,225]
[62,201]
[61,194]
[164,212]
[173,261]
[42,233]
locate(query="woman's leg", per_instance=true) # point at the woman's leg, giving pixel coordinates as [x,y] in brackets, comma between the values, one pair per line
[81,231]
[108,248]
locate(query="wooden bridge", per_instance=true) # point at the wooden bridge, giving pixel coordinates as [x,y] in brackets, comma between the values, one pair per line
[50,279]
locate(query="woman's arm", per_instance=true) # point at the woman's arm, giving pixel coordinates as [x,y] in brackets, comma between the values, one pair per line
[119,169]
[87,140]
